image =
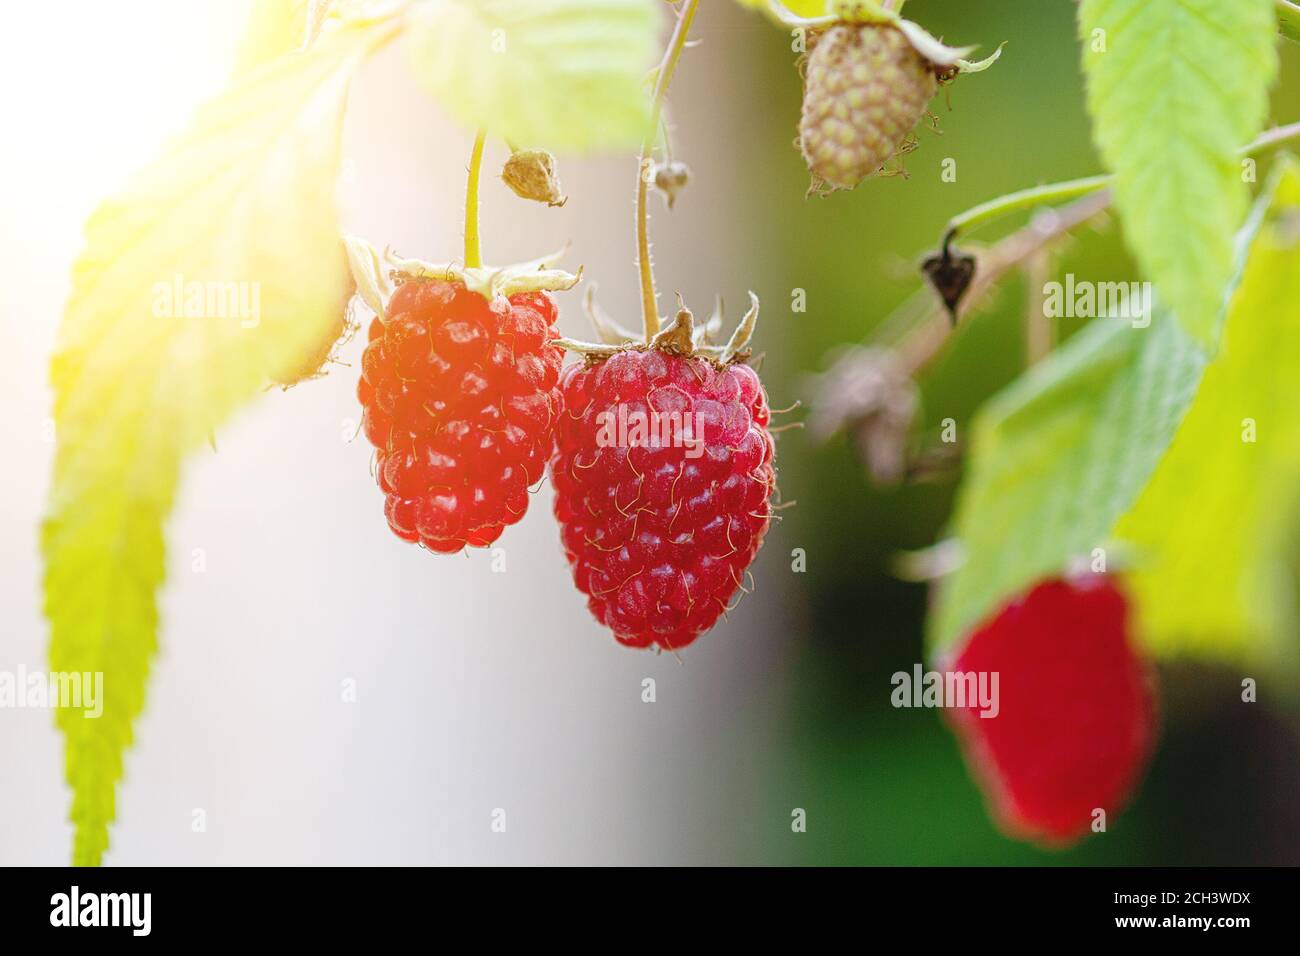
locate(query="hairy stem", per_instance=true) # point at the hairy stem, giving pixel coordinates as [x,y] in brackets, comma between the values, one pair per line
[1270,138]
[664,75]
[1073,188]
[473,253]
[1025,199]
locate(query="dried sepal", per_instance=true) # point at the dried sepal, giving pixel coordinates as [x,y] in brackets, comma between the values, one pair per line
[590,349]
[492,281]
[530,174]
[744,332]
[939,54]
[367,267]
[708,331]
[607,330]
[679,337]
[946,60]
[684,336]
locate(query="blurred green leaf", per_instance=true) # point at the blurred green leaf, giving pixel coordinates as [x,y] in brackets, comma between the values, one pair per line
[239,210]
[1214,529]
[274,27]
[1174,88]
[1288,19]
[1061,454]
[803,8]
[564,74]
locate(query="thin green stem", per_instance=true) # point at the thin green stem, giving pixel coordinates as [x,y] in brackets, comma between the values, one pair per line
[1025,199]
[473,253]
[1288,19]
[1058,192]
[664,75]
[1270,138]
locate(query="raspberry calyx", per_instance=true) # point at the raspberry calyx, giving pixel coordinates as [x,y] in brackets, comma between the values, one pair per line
[663,473]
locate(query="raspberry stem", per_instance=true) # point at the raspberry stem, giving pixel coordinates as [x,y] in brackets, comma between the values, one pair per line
[1070,189]
[473,252]
[664,75]
[919,328]
[1025,199]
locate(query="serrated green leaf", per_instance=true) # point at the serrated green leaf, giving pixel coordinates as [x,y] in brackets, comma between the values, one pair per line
[1214,530]
[241,208]
[564,74]
[1060,455]
[1174,88]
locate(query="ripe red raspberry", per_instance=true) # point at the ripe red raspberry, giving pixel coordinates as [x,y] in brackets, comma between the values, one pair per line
[460,398]
[659,532]
[1076,713]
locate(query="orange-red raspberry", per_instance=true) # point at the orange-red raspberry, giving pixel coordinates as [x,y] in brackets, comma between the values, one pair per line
[460,398]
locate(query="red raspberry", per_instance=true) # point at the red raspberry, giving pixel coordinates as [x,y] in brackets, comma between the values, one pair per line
[460,398]
[659,532]
[1076,709]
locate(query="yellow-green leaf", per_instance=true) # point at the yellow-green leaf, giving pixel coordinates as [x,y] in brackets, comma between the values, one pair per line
[564,74]
[1214,530]
[1174,88]
[218,268]
[275,27]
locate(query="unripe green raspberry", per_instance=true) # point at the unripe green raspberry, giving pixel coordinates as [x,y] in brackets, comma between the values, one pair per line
[865,87]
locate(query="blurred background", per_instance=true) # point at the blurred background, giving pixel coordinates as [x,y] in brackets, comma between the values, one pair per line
[478,690]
